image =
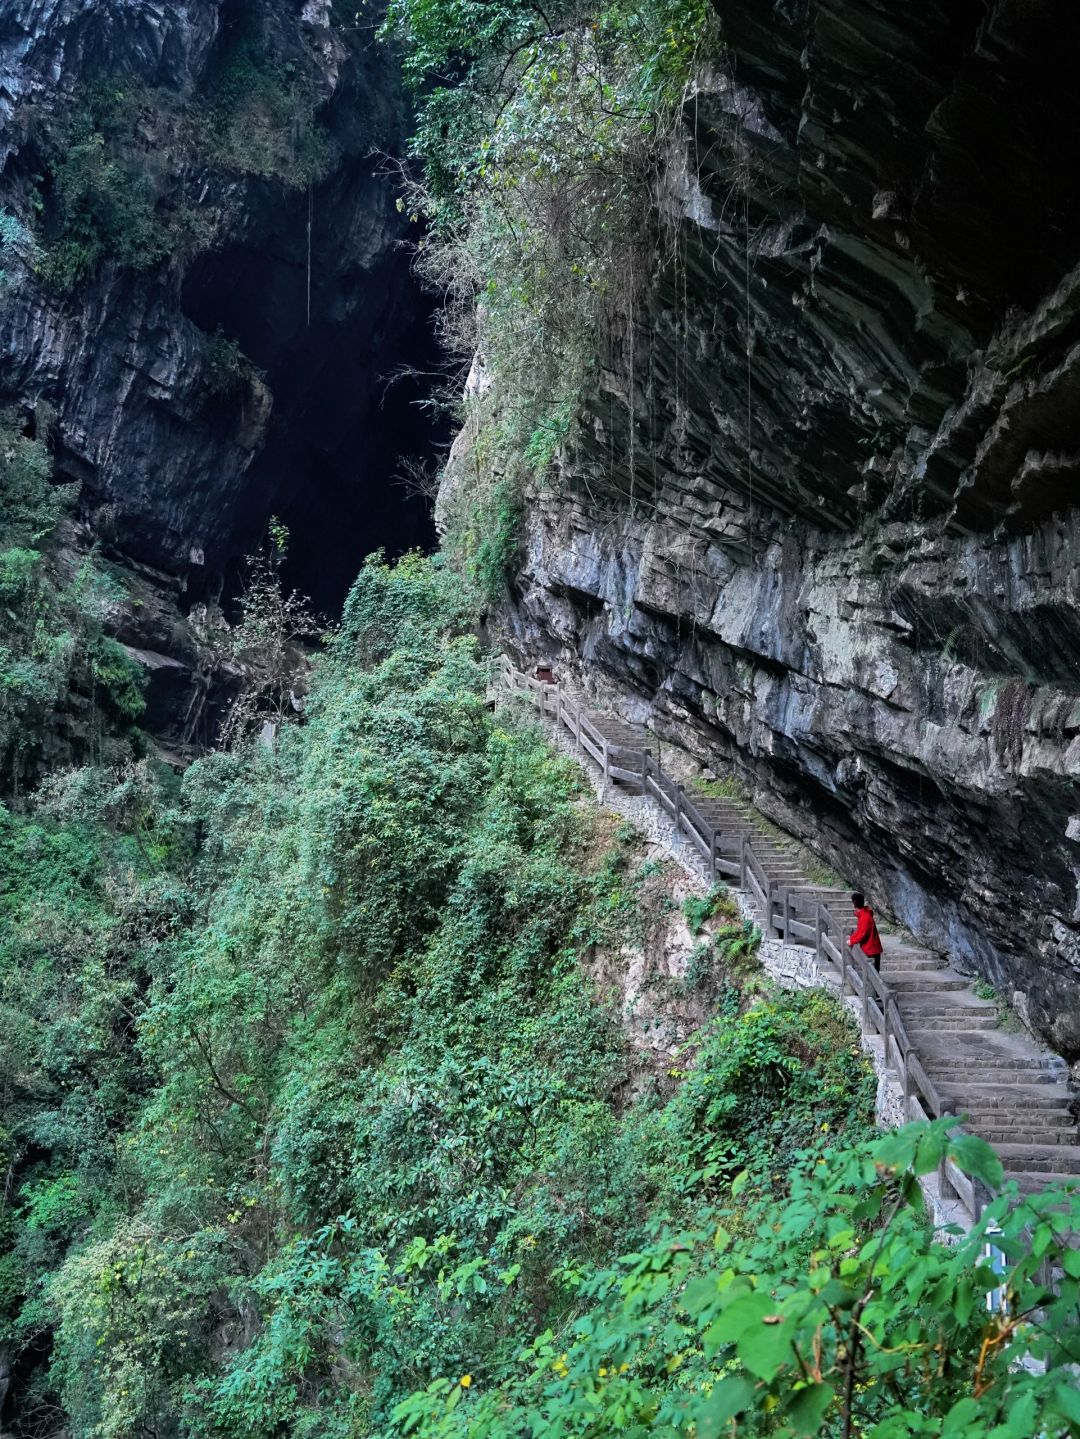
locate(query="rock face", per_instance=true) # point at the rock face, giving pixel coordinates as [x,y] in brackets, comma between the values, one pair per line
[821,524]
[181,466]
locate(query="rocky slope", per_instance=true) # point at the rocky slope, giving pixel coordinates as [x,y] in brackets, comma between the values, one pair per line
[820,523]
[204,288]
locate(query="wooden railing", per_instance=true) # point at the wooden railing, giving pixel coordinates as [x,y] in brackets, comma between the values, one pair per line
[798,914]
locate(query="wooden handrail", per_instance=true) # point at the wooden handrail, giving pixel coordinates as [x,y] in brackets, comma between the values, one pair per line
[801,907]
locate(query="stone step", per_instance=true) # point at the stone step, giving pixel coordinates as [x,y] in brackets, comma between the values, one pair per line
[995,1062]
[955,1023]
[983,1098]
[1018,1134]
[1034,1181]
[1045,1137]
[947,1004]
[1062,1159]
[903,964]
[1033,1117]
[928,1012]
[1024,1085]
[929,982]
[966,1078]
[737,825]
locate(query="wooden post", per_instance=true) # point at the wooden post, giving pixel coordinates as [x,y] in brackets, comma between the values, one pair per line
[770,926]
[713,835]
[678,809]
[577,735]
[558,708]
[787,916]
[607,764]
[817,933]
[644,771]
[905,1079]
[845,955]
[885,1029]
[742,863]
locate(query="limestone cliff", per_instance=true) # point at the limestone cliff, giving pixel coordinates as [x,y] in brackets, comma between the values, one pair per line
[204,286]
[819,519]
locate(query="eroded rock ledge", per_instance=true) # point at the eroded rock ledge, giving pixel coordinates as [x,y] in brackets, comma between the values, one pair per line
[858,583]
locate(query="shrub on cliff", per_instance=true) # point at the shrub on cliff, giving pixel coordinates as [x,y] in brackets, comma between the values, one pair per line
[54,651]
[542,143]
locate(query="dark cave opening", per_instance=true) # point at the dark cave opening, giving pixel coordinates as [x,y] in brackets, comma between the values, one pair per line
[346,346]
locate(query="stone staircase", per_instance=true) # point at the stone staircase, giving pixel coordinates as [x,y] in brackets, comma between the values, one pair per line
[1014,1093]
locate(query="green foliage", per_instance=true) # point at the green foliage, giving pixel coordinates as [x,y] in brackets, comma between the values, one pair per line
[262,110]
[227,367]
[314,1098]
[72,892]
[697,909]
[54,643]
[542,147]
[118,677]
[266,646]
[830,1312]
[490,547]
[110,188]
[542,144]
[114,185]
[30,504]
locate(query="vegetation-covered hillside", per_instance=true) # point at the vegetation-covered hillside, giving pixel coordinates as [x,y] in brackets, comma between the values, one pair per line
[317,1120]
[309,1096]
[311,1101]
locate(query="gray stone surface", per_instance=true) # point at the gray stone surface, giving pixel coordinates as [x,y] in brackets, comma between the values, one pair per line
[862,589]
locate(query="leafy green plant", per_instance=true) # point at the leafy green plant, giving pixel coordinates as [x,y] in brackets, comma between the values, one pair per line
[55,644]
[830,1313]
[543,150]
[262,114]
[699,909]
[110,192]
[311,1097]
[227,368]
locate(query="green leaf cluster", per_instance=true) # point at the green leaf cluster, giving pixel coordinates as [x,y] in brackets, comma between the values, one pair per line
[54,650]
[542,142]
[831,1313]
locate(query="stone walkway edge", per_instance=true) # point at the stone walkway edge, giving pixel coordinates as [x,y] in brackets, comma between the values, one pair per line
[796,966]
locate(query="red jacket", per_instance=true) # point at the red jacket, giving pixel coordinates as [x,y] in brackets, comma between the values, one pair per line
[865,933]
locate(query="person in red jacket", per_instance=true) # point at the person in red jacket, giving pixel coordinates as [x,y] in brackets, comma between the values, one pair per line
[865,934]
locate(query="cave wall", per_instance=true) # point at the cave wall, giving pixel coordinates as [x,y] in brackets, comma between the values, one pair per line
[179,476]
[819,521]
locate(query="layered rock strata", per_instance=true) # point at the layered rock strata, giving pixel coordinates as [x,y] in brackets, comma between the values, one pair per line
[819,520]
